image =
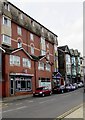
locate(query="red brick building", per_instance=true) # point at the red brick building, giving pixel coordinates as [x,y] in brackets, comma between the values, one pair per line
[28,60]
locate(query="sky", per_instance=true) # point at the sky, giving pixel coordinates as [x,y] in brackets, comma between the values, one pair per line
[64,18]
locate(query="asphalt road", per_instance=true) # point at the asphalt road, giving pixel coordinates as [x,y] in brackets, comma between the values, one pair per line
[43,107]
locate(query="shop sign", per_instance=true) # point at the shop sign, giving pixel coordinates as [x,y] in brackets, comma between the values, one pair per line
[47,84]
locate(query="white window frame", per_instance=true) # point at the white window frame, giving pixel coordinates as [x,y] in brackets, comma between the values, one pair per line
[6,6]
[8,21]
[26,62]
[19,44]
[40,66]
[48,67]
[14,60]
[19,30]
[6,39]
[43,46]
[31,37]
[32,50]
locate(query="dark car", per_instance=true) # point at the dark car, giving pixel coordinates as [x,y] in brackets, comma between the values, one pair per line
[59,89]
[42,91]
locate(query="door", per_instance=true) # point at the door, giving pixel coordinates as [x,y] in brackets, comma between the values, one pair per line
[12,86]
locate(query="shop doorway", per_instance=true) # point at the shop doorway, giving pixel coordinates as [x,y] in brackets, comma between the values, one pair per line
[12,86]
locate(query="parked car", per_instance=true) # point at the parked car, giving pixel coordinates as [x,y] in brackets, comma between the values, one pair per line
[68,88]
[80,84]
[76,85]
[42,91]
[73,87]
[59,89]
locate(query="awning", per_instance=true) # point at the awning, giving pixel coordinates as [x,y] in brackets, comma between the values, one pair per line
[21,74]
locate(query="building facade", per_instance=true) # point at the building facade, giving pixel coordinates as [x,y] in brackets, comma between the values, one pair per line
[29,58]
[64,63]
[73,66]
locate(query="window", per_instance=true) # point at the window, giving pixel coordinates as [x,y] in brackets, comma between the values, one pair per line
[31,36]
[19,44]
[21,16]
[19,30]
[6,21]
[6,40]
[43,52]
[23,84]
[48,56]
[14,60]
[48,68]
[41,66]
[32,50]
[6,6]
[43,46]
[32,23]
[42,29]
[26,63]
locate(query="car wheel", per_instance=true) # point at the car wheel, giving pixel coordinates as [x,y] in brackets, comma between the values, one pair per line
[43,94]
[62,91]
[50,93]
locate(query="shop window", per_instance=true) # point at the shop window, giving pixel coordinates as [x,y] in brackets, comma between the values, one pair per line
[23,84]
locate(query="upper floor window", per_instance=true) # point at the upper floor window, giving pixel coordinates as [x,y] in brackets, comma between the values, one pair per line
[19,44]
[32,23]
[41,66]
[6,6]
[68,60]
[26,63]
[19,30]
[42,29]
[43,46]
[21,16]
[43,52]
[48,67]
[32,50]
[48,56]
[31,36]
[14,60]
[6,21]
[6,40]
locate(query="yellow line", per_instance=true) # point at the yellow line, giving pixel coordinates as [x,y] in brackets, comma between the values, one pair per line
[68,112]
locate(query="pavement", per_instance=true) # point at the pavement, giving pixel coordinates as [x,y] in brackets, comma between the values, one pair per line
[76,112]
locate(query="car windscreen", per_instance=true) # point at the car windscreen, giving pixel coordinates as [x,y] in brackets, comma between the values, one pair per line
[40,88]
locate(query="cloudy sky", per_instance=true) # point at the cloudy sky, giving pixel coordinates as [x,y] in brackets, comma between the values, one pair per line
[64,18]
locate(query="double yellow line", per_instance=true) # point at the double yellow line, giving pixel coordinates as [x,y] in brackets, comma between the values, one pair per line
[68,112]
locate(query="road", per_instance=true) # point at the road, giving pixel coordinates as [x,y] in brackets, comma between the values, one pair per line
[43,107]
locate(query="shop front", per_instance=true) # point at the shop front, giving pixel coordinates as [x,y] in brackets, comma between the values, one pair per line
[20,83]
[57,79]
[45,82]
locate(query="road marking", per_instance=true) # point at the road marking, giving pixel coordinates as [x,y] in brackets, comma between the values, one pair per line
[31,101]
[68,112]
[14,109]
[46,101]
[18,103]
